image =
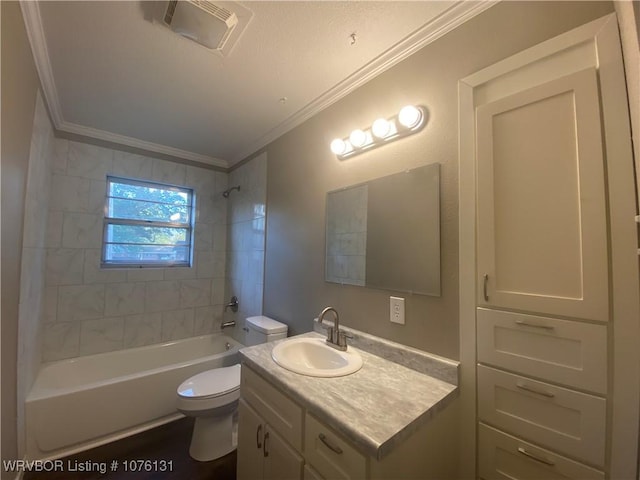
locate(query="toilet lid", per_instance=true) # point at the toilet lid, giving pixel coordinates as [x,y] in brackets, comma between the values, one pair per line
[211,383]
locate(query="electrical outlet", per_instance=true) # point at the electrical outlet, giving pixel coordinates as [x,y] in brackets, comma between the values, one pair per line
[396,310]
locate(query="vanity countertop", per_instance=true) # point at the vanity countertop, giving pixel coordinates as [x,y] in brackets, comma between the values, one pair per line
[378,406]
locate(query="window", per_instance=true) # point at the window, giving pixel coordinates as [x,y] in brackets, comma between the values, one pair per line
[147,224]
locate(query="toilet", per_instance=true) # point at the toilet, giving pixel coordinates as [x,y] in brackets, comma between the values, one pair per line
[212,397]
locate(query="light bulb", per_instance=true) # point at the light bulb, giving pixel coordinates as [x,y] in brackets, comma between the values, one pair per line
[338,146]
[381,127]
[410,116]
[358,138]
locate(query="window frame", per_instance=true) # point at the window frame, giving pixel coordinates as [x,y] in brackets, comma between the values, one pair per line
[108,220]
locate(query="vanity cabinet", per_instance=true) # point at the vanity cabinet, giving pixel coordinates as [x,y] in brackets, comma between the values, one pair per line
[280,439]
[264,453]
[331,454]
[269,432]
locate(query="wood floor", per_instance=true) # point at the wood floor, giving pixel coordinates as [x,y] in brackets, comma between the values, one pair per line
[168,443]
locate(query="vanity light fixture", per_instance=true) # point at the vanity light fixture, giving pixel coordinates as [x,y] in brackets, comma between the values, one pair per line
[339,146]
[409,116]
[381,128]
[410,120]
[358,138]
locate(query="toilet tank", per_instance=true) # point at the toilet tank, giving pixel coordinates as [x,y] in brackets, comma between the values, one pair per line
[264,329]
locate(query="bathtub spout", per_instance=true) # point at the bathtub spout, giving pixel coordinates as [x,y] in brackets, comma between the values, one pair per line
[230,323]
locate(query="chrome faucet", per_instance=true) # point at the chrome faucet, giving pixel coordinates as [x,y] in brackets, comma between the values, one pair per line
[335,338]
[233,304]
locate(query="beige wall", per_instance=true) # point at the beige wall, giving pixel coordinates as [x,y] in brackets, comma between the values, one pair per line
[302,169]
[19,87]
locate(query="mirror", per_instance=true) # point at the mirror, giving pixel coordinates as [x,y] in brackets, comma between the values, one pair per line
[385,233]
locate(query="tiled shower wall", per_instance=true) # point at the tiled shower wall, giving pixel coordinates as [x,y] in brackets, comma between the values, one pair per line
[90,310]
[32,286]
[246,240]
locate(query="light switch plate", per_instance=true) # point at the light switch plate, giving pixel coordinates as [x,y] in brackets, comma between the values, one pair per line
[396,310]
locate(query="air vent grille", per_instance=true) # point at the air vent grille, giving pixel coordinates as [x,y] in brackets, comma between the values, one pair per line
[206,23]
[213,9]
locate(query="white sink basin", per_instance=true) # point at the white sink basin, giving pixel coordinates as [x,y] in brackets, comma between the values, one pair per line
[313,357]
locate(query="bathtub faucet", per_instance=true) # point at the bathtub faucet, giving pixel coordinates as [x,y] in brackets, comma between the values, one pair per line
[233,304]
[230,323]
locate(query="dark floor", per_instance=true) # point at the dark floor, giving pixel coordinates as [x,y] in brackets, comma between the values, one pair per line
[165,448]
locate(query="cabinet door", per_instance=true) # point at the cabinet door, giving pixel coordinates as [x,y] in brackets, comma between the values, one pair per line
[273,406]
[542,236]
[251,430]
[281,462]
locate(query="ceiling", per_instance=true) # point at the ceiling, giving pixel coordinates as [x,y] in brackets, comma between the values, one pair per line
[112,72]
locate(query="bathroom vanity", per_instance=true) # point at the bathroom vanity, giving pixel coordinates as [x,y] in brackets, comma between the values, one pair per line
[394,418]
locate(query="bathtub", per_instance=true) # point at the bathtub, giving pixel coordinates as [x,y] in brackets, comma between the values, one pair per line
[84,402]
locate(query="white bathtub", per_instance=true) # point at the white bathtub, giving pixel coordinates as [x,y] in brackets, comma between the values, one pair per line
[83,402]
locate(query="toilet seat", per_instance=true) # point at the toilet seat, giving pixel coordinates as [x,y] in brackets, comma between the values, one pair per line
[209,390]
[212,383]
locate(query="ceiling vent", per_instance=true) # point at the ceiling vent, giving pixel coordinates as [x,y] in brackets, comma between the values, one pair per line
[202,21]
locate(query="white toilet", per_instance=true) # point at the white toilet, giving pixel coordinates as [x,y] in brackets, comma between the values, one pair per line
[212,397]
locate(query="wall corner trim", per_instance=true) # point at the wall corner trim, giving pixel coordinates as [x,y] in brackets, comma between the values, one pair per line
[37,39]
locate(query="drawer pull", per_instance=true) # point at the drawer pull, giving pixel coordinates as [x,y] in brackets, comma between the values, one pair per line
[535,390]
[258,435]
[527,324]
[535,457]
[484,287]
[333,448]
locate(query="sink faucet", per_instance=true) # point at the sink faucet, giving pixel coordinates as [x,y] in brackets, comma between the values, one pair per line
[335,338]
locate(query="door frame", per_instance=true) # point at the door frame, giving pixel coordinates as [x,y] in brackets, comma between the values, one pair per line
[623,398]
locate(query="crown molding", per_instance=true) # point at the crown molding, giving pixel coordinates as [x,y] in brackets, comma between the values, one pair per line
[451,18]
[37,39]
[98,134]
[35,33]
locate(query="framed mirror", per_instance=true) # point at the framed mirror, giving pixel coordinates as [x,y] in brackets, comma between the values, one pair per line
[385,233]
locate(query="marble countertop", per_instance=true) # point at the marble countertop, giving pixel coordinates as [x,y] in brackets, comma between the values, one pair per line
[375,408]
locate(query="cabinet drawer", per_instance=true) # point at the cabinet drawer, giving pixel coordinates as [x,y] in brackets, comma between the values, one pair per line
[278,410]
[571,422]
[504,457]
[571,353]
[330,454]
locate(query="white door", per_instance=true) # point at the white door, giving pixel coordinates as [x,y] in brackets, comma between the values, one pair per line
[542,233]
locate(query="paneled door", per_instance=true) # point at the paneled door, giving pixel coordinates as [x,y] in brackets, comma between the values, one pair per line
[542,233]
[549,275]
